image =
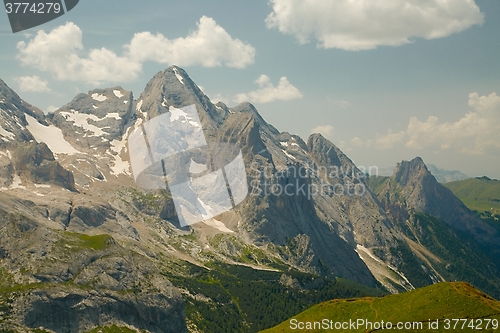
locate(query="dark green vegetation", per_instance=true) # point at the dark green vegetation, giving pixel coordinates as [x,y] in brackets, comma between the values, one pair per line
[78,242]
[234,298]
[442,302]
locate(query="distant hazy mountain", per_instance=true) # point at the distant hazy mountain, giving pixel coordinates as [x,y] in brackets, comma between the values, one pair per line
[445,176]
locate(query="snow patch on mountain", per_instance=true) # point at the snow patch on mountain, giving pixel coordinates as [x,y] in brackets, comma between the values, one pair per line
[6,135]
[120,166]
[82,120]
[113,115]
[387,275]
[179,77]
[51,135]
[99,97]
[118,93]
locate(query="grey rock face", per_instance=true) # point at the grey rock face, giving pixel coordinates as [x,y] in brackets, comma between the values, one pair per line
[91,121]
[35,163]
[12,117]
[421,192]
[74,282]
[413,189]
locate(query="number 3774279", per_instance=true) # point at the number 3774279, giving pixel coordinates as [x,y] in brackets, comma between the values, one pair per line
[33,8]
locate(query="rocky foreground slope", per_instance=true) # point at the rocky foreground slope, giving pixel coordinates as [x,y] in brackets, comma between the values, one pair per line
[81,246]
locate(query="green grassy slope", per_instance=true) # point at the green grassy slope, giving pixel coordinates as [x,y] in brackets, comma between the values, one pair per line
[376,183]
[481,194]
[440,303]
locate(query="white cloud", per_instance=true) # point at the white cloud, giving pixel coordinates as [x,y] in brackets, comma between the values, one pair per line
[32,84]
[57,52]
[388,140]
[366,24]
[327,131]
[474,134]
[60,51]
[285,91]
[210,46]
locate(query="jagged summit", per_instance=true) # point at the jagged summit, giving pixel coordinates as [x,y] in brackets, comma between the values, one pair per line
[406,171]
[326,152]
[413,188]
[174,88]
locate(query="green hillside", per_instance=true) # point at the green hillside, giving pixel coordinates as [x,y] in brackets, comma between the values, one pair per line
[440,303]
[376,183]
[480,194]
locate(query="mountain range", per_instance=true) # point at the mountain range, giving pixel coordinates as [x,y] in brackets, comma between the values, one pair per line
[83,247]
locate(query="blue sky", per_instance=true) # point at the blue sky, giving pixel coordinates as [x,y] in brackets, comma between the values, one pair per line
[385,80]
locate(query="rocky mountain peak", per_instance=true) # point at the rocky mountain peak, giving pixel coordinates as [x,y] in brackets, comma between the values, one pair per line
[413,170]
[414,189]
[174,88]
[91,121]
[326,153]
[10,99]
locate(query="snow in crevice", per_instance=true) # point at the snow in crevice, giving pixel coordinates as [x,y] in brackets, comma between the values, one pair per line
[6,135]
[179,77]
[51,135]
[288,155]
[6,154]
[120,166]
[383,269]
